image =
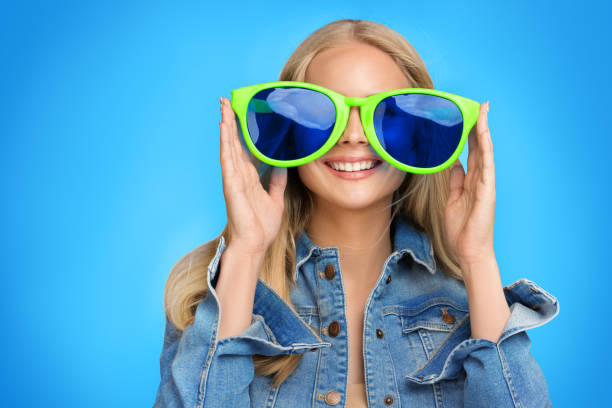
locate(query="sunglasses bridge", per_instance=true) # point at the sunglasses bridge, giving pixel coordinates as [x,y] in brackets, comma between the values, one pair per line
[354,101]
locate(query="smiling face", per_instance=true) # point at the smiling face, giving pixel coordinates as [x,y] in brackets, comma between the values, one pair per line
[358,70]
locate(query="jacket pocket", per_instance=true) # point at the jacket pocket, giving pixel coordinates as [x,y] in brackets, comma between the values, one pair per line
[426,326]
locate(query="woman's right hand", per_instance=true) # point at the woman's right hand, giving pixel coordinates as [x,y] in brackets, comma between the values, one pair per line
[254,214]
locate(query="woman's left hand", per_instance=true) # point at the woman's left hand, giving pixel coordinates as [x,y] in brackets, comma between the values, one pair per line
[470,209]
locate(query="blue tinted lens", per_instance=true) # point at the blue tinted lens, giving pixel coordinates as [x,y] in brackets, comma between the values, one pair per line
[418,130]
[289,123]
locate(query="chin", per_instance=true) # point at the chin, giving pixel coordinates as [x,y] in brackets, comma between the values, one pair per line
[356,203]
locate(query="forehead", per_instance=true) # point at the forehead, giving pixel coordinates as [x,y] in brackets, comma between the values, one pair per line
[355,69]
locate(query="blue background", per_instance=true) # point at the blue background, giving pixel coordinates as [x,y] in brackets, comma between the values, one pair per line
[110,169]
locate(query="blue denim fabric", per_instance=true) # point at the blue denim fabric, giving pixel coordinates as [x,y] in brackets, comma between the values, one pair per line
[421,360]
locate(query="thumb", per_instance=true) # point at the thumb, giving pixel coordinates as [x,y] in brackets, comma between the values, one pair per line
[278,181]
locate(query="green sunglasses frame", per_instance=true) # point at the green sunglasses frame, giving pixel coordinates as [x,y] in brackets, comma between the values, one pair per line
[242,96]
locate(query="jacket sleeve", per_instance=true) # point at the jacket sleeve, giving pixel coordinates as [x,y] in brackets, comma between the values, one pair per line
[197,370]
[501,374]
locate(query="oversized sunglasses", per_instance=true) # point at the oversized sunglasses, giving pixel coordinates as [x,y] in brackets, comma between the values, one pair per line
[290,123]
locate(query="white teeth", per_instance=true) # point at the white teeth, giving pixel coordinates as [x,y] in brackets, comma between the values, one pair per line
[357,166]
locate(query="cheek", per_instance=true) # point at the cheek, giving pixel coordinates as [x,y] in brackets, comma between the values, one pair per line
[308,175]
[393,178]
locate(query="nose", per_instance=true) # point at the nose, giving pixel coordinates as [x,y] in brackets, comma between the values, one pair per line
[354,133]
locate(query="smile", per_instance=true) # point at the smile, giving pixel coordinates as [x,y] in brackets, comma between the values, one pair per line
[348,173]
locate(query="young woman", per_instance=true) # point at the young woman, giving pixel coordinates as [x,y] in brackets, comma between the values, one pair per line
[347,281]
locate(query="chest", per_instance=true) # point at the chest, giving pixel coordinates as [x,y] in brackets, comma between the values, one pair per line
[355,312]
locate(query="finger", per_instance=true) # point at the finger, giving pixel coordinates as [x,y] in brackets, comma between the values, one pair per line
[235,125]
[243,162]
[278,181]
[228,168]
[472,144]
[232,135]
[482,127]
[487,163]
[228,163]
[473,152]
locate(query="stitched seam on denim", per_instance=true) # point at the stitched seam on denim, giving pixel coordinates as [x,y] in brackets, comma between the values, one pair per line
[269,401]
[316,382]
[437,390]
[427,325]
[343,298]
[507,376]
[273,396]
[433,302]
[213,338]
[426,343]
[306,310]
[399,402]
[377,288]
[320,351]
[292,346]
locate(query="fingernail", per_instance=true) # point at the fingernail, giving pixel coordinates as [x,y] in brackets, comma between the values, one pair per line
[488,103]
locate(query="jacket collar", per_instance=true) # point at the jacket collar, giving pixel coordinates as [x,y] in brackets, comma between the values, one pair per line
[407,239]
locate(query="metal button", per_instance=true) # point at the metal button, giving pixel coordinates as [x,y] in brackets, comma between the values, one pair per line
[334,328]
[447,317]
[388,279]
[330,271]
[389,400]
[332,397]
[379,333]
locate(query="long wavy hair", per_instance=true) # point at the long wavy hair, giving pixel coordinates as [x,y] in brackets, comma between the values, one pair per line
[421,197]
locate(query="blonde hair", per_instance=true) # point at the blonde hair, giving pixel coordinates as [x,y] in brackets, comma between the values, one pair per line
[423,197]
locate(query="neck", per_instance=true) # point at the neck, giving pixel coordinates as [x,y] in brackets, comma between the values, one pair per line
[362,236]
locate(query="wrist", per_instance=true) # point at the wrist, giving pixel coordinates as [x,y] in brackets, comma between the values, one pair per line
[483,263]
[247,249]
[247,257]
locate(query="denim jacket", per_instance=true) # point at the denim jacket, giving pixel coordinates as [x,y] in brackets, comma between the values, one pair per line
[417,344]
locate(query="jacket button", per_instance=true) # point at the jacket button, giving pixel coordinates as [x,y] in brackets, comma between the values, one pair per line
[379,333]
[334,328]
[330,271]
[389,400]
[388,279]
[447,317]
[332,397]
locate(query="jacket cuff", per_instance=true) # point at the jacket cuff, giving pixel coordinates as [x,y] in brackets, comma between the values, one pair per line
[530,307]
[275,326]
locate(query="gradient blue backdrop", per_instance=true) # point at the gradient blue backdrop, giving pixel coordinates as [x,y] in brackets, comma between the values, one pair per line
[110,169]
